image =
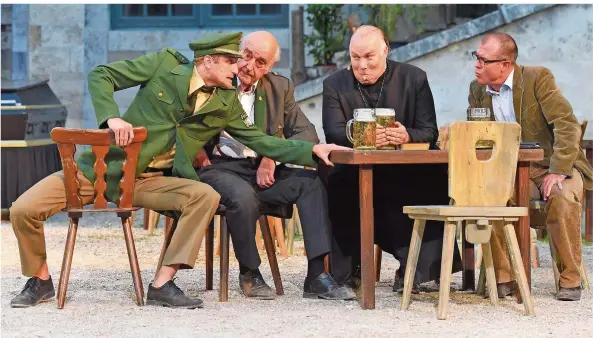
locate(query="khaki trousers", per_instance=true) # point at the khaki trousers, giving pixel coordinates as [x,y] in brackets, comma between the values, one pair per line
[196,201]
[563,223]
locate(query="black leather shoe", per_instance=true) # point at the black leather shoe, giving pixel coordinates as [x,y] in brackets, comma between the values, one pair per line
[325,287]
[506,289]
[353,281]
[170,295]
[253,286]
[569,294]
[36,290]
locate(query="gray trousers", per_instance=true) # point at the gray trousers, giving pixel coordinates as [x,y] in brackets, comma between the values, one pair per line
[235,181]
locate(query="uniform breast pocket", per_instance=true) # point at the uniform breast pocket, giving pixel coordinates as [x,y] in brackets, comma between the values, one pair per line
[156,102]
[533,120]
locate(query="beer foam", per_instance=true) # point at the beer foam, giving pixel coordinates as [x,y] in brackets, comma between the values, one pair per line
[384,112]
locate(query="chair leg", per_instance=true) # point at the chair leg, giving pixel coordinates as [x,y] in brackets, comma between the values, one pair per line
[132,257]
[446,267]
[290,228]
[534,251]
[584,278]
[210,255]
[67,262]
[271,251]
[223,292]
[481,290]
[555,263]
[413,253]
[153,220]
[517,263]
[146,215]
[378,257]
[488,266]
[169,230]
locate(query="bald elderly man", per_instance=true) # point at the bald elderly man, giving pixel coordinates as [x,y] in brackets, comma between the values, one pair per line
[244,178]
[372,81]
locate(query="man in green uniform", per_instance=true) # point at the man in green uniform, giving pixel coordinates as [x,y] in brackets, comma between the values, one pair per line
[182,105]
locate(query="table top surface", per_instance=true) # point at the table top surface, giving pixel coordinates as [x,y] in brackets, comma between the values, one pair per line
[416,156]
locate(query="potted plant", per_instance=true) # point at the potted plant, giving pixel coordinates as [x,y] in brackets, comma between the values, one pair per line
[327,37]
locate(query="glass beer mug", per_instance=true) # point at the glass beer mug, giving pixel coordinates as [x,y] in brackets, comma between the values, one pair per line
[480,114]
[361,130]
[386,119]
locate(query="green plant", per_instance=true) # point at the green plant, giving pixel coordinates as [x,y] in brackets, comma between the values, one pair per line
[328,32]
[386,16]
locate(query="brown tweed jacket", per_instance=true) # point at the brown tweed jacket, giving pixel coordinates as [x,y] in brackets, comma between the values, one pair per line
[546,117]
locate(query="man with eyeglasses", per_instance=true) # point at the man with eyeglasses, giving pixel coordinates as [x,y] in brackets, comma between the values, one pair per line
[245,179]
[529,96]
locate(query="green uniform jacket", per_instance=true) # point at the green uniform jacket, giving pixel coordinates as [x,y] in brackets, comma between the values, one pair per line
[546,117]
[161,107]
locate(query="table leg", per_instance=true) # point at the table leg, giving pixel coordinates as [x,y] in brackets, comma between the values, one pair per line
[469,264]
[522,229]
[367,236]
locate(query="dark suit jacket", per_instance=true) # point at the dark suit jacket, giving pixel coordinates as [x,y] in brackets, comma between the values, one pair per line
[282,116]
[406,90]
[545,117]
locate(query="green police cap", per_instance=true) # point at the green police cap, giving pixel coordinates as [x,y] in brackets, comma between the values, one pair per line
[218,43]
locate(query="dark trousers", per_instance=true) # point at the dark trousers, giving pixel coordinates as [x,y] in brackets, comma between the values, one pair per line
[235,181]
[394,186]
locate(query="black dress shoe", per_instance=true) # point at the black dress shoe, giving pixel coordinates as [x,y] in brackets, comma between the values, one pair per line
[325,287]
[569,294]
[36,290]
[170,295]
[506,289]
[398,283]
[353,281]
[253,286]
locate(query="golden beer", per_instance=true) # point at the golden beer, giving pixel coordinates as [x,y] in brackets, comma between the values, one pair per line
[361,130]
[386,119]
[364,135]
[480,114]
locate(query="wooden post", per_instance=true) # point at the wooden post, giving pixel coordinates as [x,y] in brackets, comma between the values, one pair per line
[298,72]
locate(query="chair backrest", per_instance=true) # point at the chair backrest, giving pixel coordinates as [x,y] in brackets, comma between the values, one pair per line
[99,140]
[485,182]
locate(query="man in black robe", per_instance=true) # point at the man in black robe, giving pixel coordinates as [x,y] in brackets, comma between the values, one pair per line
[372,81]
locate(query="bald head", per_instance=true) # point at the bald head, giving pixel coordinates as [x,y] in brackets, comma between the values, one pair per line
[367,34]
[507,47]
[368,54]
[263,42]
[260,53]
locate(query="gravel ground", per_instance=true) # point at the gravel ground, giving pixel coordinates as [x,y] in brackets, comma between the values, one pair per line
[100,295]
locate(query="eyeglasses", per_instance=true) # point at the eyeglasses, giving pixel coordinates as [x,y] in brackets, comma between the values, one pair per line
[484,61]
[248,56]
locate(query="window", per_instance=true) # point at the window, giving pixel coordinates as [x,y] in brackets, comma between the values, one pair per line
[185,15]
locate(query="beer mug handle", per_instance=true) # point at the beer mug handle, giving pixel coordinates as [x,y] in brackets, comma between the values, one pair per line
[349,131]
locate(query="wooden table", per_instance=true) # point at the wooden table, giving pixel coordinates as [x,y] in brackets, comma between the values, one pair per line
[367,159]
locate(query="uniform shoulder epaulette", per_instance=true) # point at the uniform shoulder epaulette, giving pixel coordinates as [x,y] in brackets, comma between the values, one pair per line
[177,55]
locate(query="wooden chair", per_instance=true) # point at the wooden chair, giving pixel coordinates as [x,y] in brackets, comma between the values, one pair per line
[480,190]
[283,211]
[99,140]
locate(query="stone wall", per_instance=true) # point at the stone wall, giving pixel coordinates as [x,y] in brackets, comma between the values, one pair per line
[56,53]
[559,38]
